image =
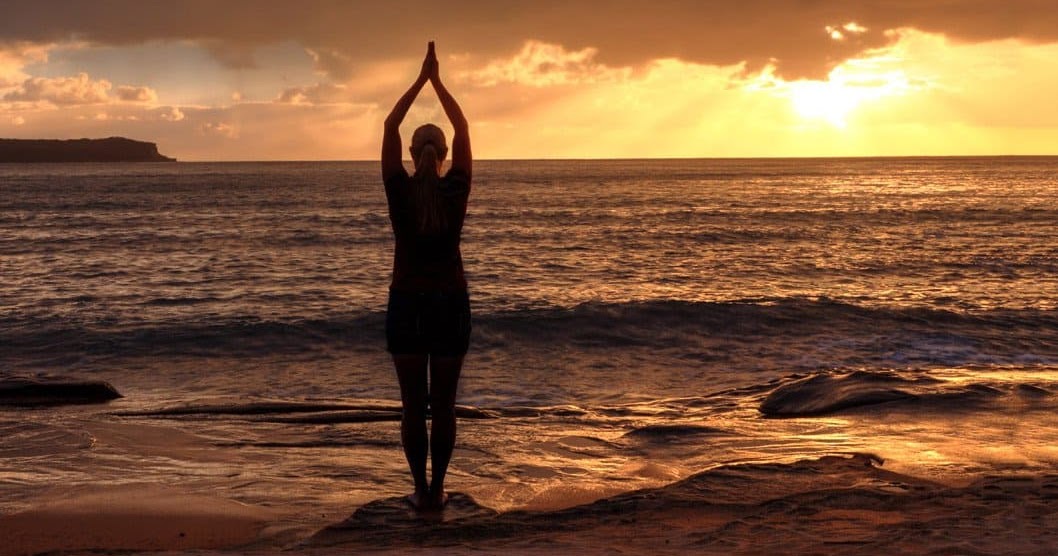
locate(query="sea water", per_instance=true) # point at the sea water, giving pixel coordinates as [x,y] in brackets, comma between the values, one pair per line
[635,321]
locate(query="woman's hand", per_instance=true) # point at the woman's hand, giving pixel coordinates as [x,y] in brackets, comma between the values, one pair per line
[430,69]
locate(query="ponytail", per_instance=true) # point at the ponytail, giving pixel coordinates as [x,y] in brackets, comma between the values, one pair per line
[426,193]
[427,161]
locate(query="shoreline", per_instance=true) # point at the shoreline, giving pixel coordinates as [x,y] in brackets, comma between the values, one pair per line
[842,504]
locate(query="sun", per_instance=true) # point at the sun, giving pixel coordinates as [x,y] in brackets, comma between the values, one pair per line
[823,100]
[846,89]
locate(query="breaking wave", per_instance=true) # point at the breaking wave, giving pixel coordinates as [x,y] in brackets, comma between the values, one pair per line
[848,333]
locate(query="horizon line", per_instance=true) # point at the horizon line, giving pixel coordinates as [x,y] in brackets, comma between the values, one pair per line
[657,158]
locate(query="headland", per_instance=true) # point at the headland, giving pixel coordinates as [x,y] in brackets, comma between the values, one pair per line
[111,149]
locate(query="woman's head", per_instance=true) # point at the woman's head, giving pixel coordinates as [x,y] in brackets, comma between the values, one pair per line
[428,148]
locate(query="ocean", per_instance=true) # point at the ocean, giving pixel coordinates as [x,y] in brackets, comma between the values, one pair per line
[635,322]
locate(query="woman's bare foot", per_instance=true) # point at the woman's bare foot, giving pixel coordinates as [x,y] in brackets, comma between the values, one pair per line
[419,500]
[438,500]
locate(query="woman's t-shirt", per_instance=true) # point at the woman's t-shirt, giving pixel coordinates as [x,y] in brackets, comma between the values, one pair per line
[427,262]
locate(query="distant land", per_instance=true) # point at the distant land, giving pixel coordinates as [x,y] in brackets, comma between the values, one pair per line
[111,149]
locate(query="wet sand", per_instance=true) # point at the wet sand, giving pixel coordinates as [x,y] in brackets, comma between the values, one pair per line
[131,517]
[848,504]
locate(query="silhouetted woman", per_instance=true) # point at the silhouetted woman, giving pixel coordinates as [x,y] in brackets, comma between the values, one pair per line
[428,316]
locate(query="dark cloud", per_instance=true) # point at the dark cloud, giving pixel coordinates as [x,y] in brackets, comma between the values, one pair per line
[345,34]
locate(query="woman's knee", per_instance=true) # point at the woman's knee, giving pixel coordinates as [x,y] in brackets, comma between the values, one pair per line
[445,371]
[442,410]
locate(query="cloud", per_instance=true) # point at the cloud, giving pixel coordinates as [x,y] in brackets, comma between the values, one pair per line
[222,129]
[542,79]
[286,131]
[170,114]
[998,84]
[129,93]
[345,35]
[76,90]
[15,57]
[842,32]
[61,91]
[246,131]
[853,27]
[540,64]
[331,62]
[320,93]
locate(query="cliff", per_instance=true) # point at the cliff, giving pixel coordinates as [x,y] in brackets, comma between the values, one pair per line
[111,149]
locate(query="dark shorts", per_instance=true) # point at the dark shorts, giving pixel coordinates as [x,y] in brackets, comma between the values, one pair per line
[428,323]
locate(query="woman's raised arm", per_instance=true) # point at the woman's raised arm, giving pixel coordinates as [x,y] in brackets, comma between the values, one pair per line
[461,158]
[391,144]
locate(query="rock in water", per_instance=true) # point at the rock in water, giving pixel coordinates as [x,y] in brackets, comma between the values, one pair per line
[392,520]
[38,391]
[828,393]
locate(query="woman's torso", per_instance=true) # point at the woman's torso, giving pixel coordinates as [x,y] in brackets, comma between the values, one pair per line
[428,262]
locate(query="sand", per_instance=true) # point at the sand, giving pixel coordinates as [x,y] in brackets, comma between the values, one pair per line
[848,504]
[131,517]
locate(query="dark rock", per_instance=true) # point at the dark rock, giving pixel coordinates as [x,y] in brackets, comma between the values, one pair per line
[44,391]
[829,393]
[392,521]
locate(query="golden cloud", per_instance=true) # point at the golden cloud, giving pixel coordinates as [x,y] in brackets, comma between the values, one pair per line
[61,91]
[319,93]
[129,93]
[540,64]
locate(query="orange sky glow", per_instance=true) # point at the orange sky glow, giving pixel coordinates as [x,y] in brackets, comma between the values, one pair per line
[313,81]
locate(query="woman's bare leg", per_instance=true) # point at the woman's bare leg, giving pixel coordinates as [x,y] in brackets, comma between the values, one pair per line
[411,372]
[444,379]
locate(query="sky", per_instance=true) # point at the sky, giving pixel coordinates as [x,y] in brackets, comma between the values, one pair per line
[313,80]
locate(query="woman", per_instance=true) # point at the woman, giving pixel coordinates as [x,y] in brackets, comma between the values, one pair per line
[428,317]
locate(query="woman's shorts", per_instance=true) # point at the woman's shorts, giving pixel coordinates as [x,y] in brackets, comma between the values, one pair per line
[428,323]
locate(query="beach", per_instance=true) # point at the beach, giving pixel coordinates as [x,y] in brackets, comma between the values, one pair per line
[842,356]
[836,505]
[843,503]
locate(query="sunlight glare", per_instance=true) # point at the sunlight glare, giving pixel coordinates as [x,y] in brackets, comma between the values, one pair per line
[822,100]
[846,88]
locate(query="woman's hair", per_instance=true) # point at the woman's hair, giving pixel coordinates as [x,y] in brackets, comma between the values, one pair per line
[428,134]
[428,150]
